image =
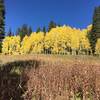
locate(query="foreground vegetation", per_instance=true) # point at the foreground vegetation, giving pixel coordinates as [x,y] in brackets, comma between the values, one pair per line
[42,77]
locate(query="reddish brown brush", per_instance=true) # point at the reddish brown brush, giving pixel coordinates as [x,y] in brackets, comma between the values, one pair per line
[63,81]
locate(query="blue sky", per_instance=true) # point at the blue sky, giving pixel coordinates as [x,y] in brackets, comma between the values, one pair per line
[38,13]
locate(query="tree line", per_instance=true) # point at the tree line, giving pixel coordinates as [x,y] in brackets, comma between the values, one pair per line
[24,30]
[27,30]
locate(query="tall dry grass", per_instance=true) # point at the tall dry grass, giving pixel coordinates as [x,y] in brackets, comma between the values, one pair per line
[50,78]
[60,80]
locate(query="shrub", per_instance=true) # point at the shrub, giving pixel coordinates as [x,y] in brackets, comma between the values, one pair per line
[11,45]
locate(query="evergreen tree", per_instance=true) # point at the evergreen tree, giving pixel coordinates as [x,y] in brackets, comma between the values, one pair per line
[18,31]
[2,22]
[9,32]
[29,30]
[59,25]
[21,35]
[2,19]
[52,24]
[92,39]
[96,22]
[44,30]
[38,30]
[95,33]
[24,30]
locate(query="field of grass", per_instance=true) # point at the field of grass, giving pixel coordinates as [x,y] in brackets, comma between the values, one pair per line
[49,77]
[11,58]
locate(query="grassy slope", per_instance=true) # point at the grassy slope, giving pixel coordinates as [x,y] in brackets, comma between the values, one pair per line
[89,60]
[67,58]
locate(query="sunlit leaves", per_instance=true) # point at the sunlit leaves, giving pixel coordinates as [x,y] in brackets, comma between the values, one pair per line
[98,46]
[63,39]
[11,45]
[33,43]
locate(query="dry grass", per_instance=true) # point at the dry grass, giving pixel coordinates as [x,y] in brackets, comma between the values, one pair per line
[58,81]
[67,58]
[56,77]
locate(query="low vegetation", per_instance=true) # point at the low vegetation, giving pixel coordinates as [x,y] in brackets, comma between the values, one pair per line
[50,78]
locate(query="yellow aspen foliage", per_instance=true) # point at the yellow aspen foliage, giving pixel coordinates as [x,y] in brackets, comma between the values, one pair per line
[58,39]
[89,28]
[84,41]
[37,40]
[11,45]
[61,39]
[98,47]
[25,45]
[75,39]
[33,43]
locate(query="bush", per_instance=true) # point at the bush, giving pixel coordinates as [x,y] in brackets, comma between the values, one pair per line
[11,45]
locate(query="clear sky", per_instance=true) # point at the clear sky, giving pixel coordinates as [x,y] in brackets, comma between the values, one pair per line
[76,13]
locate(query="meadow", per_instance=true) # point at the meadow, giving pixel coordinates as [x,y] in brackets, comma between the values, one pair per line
[49,77]
[54,61]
